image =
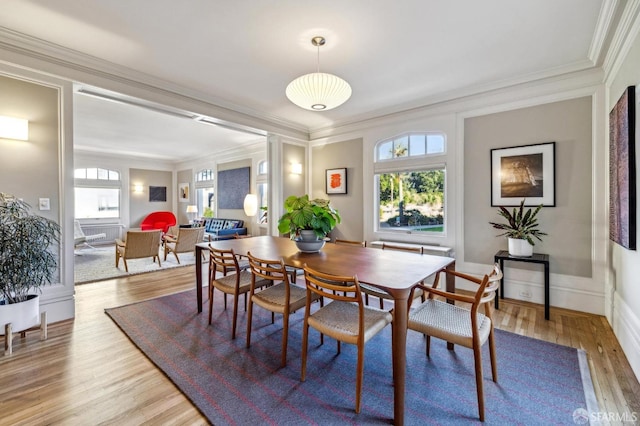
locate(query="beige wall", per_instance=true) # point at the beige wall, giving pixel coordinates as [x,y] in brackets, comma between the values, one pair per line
[185,176]
[30,169]
[337,155]
[139,205]
[293,184]
[568,224]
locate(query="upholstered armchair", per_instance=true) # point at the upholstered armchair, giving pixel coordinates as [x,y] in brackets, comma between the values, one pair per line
[138,244]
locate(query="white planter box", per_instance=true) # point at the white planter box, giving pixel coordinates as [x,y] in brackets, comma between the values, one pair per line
[520,248]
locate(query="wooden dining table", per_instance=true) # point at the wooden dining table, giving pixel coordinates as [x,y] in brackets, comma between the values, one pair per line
[392,271]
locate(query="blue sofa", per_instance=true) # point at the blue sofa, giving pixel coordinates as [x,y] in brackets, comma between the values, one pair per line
[222,229]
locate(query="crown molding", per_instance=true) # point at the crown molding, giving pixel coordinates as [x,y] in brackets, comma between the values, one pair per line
[605,21]
[469,98]
[80,67]
[623,38]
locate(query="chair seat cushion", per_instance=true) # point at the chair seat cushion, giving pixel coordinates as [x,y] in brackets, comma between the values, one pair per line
[340,321]
[448,322]
[274,298]
[227,284]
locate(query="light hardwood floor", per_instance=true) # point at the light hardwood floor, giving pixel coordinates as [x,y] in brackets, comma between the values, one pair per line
[88,372]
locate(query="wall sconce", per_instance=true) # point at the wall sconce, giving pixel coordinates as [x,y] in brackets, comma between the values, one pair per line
[138,189]
[296,168]
[14,128]
[251,205]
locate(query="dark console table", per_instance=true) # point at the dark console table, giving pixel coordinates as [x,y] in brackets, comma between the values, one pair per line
[540,258]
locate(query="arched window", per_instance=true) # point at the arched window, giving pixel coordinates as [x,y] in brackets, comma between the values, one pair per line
[410,183]
[97,193]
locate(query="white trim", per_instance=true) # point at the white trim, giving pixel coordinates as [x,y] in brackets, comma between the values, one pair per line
[605,19]
[625,34]
[626,326]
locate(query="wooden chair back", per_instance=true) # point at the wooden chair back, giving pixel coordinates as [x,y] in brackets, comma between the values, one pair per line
[398,247]
[187,239]
[335,287]
[271,270]
[221,261]
[141,244]
[351,243]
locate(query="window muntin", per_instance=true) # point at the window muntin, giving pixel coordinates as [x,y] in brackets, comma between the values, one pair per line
[97,193]
[411,145]
[411,201]
[205,175]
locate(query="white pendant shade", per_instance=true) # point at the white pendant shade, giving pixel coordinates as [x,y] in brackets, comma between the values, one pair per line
[251,205]
[318,91]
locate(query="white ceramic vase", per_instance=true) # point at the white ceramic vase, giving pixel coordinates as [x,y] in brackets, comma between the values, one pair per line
[22,316]
[520,248]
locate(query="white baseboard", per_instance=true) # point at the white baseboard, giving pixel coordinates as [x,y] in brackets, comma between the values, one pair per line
[575,293]
[58,310]
[626,327]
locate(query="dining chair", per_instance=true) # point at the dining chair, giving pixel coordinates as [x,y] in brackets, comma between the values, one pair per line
[233,284]
[280,296]
[137,245]
[183,241]
[461,325]
[345,318]
[350,243]
[381,294]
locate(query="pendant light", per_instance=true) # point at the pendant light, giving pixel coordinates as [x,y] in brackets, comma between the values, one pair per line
[318,91]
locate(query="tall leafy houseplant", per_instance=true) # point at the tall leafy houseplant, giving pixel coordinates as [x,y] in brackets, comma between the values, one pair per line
[26,263]
[304,214]
[520,223]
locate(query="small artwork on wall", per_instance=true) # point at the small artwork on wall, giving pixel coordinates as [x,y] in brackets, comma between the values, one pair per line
[336,181]
[183,192]
[527,172]
[157,194]
[622,171]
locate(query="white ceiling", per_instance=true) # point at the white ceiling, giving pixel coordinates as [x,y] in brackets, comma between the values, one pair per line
[242,54]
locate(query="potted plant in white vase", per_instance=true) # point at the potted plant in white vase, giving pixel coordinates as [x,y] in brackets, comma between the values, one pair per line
[521,228]
[308,221]
[26,262]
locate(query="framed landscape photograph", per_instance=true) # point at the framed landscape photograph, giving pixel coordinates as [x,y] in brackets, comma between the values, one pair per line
[527,172]
[336,181]
[622,171]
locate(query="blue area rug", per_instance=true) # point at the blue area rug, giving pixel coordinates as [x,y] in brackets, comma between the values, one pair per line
[538,382]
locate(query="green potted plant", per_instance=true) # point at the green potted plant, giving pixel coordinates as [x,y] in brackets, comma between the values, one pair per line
[26,262]
[308,220]
[521,228]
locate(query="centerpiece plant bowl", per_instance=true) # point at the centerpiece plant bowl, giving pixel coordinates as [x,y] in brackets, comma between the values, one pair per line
[308,221]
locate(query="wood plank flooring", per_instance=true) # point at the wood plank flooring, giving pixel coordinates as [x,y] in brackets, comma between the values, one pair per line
[88,372]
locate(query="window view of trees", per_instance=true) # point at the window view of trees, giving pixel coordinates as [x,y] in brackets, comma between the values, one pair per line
[412,200]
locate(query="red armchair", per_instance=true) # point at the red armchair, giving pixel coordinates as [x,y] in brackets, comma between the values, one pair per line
[158,220]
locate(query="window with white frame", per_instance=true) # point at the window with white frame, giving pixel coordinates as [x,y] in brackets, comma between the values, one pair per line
[205,198]
[97,193]
[410,183]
